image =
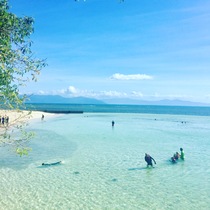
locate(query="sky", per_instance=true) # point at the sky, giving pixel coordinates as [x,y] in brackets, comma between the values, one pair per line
[137,49]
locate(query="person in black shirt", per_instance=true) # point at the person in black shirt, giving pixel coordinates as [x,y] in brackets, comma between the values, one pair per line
[149,160]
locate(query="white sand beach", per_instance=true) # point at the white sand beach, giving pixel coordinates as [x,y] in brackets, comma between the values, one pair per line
[16,117]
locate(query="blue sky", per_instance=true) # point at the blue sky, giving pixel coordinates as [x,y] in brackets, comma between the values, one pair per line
[139,49]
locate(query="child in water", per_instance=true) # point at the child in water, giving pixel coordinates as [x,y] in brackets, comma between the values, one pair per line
[176,156]
[182,154]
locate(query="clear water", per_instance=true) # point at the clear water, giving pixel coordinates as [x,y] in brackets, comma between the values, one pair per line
[110,108]
[104,167]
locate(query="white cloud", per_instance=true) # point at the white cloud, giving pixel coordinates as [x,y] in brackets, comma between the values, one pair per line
[41,92]
[119,76]
[72,91]
[137,94]
[113,94]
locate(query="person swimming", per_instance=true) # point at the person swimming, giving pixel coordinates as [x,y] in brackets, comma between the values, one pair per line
[149,160]
[51,164]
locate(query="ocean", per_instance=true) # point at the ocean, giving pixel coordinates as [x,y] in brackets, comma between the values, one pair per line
[149,109]
[103,166]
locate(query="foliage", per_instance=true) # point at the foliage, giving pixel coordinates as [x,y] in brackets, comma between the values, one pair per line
[13,133]
[18,64]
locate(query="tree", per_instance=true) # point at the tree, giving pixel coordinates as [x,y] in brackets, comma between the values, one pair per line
[18,66]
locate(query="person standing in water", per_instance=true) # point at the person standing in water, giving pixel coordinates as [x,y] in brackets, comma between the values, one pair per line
[182,154]
[149,160]
[113,123]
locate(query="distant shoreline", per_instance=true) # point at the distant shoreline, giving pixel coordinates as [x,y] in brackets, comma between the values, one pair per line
[19,117]
[62,112]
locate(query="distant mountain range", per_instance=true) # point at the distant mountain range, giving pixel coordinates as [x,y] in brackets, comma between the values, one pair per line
[159,103]
[61,100]
[84,100]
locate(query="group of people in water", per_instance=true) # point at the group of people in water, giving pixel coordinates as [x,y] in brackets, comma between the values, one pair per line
[178,156]
[147,158]
[150,159]
[4,120]
[174,159]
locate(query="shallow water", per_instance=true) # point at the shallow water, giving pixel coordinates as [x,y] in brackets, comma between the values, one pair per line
[104,167]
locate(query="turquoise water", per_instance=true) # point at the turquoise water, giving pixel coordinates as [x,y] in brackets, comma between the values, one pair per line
[104,167]
[110,108]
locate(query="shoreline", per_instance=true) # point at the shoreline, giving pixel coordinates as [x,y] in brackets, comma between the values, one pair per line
[20,117]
